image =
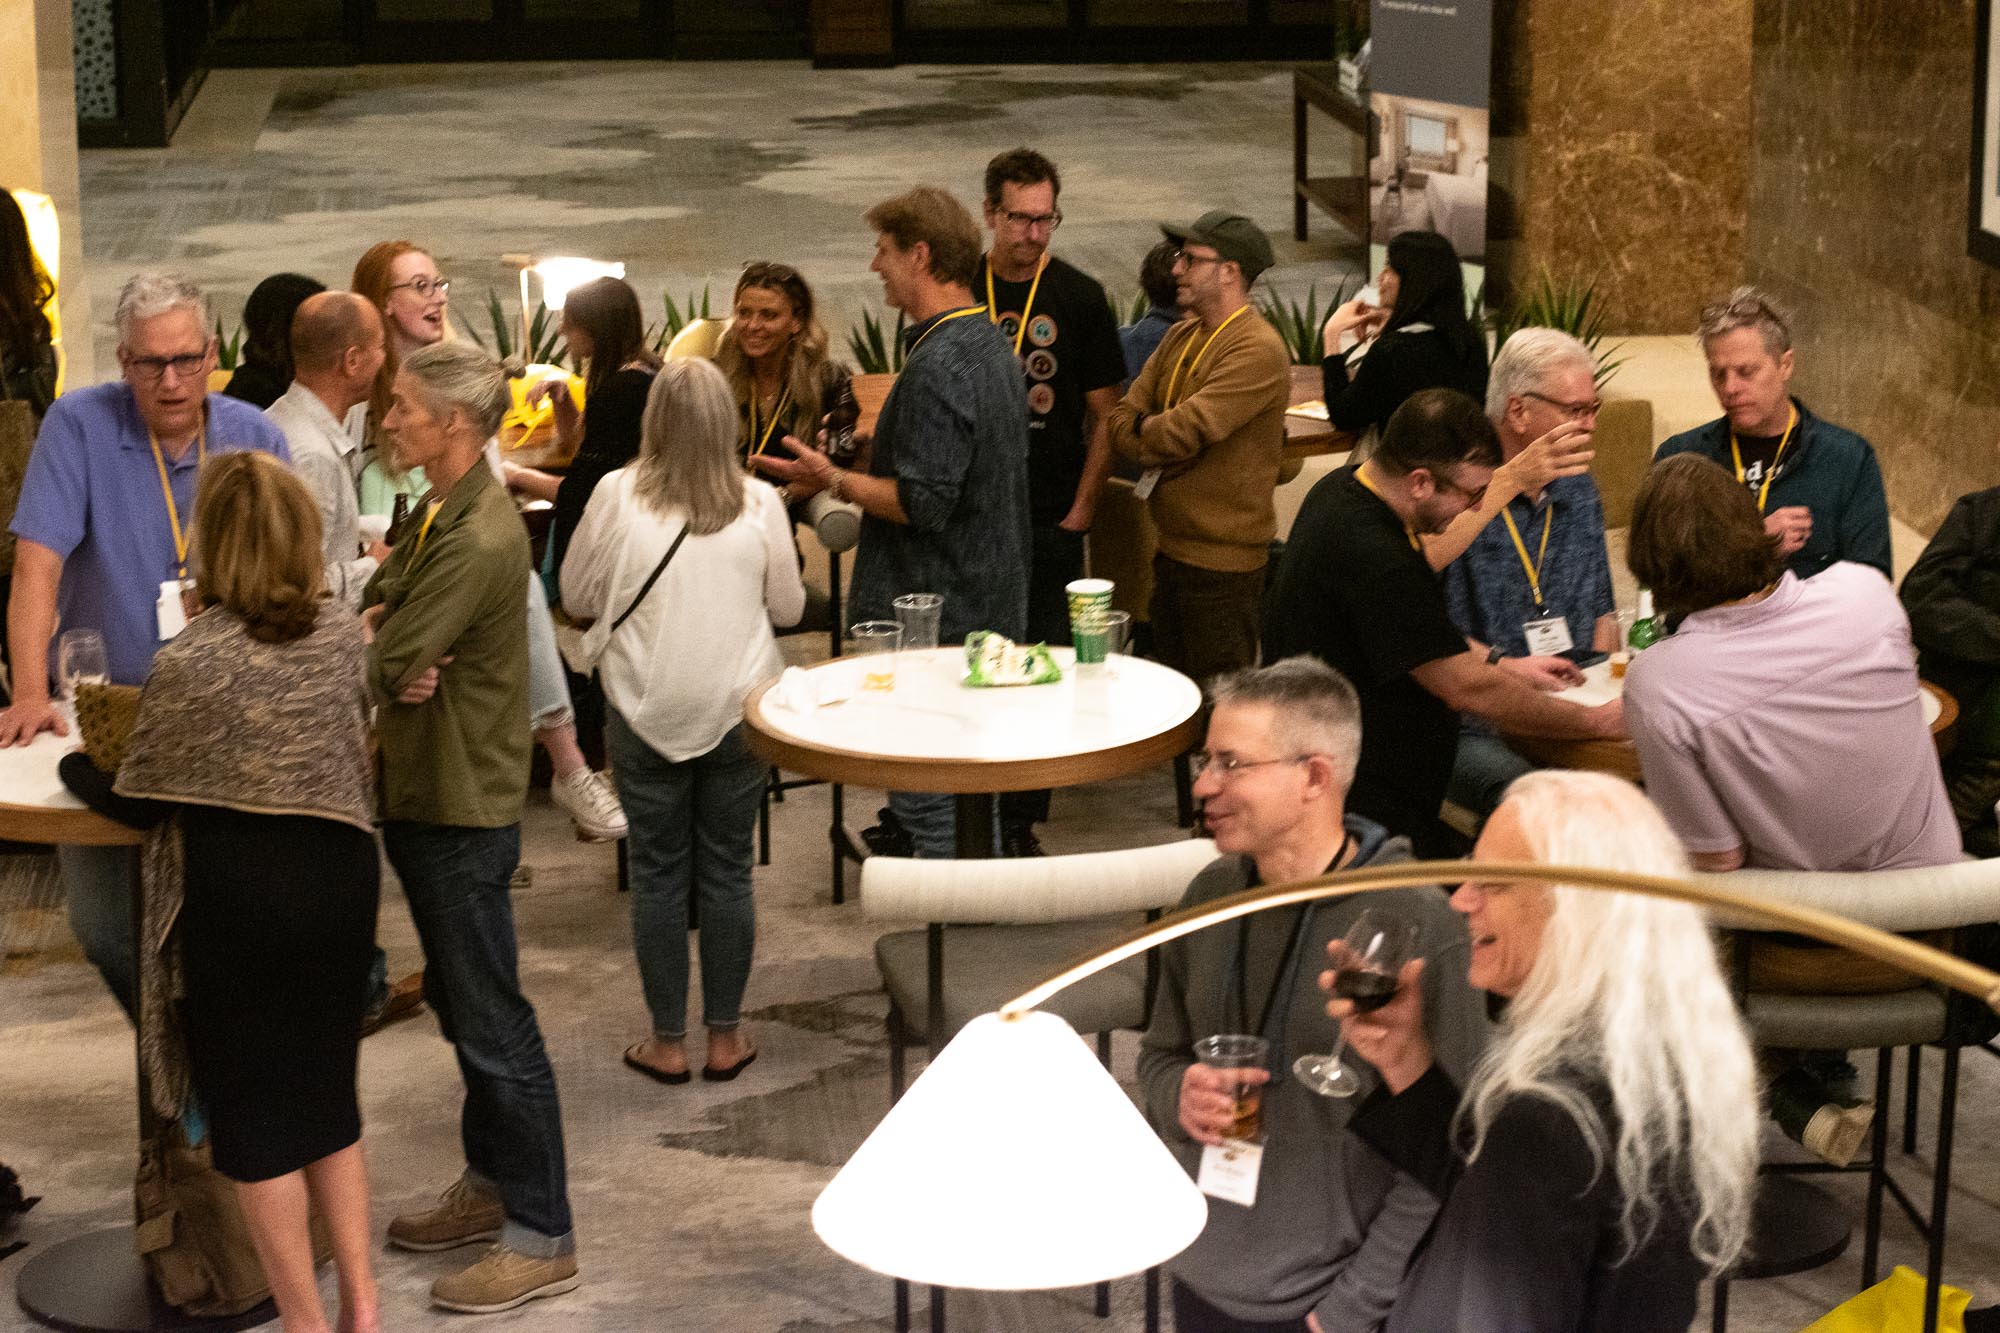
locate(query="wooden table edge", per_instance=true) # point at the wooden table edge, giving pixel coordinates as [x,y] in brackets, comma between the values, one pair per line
[65,828]
[864,768]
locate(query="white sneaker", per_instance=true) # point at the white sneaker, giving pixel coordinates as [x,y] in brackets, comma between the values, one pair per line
[592,805]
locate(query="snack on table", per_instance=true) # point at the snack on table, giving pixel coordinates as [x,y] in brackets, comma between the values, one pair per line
[994,659]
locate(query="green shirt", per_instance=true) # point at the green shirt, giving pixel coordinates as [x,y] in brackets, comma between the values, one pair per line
[460,591]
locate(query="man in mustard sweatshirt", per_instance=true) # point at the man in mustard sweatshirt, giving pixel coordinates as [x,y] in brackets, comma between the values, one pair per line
[1206,419]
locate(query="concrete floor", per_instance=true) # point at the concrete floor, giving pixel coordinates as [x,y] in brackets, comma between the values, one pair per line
[692,1203]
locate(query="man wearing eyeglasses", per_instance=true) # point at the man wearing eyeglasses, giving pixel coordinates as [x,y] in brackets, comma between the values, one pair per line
[1059,325]
[1818,486]
[1206,420]
[104,523]
[1322,1243]
[1356,590]
[1528,579]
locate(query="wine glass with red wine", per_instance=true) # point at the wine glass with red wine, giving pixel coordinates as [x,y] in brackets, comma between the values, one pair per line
[1367,966]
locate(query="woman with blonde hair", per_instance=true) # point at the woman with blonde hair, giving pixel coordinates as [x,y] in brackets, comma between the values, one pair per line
[1599,1165]
[250,763]
[682,563]
[780,370]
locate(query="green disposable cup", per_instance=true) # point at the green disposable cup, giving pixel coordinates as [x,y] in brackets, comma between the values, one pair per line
[1089,600]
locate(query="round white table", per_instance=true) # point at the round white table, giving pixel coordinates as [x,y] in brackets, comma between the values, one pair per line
[933,733]
[94,1281]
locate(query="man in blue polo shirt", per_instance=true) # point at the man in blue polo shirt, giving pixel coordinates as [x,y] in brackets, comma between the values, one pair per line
[1533,589]
[101,546]
[1818,486]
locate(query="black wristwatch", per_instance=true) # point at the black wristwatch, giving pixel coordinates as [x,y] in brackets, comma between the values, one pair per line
[1493,656]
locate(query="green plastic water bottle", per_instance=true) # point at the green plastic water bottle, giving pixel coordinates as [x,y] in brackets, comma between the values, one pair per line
[1645,629]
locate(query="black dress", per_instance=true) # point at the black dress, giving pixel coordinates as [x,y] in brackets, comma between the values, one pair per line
[277,933]
[611,419]
[1402,362]
[1528,1239]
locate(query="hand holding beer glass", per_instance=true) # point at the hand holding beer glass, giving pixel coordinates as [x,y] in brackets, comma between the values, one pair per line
[1222,1093]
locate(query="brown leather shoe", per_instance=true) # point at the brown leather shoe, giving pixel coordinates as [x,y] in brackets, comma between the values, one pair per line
[404,998]
[503,1279]
[465,1215]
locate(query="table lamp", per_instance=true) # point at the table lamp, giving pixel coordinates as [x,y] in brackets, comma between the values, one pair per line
[559,275]
[1016,1162]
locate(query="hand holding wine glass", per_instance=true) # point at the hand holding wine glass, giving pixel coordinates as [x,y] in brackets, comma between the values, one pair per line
[1367,972]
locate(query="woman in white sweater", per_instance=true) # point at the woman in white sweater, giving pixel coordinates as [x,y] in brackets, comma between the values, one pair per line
[679,653]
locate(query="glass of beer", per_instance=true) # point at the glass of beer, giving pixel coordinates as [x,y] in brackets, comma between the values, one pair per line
[1236,1050]
[1621,654]
[876,643]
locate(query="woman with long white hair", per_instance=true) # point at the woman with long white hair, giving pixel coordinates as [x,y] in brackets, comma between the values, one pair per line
[1599,1164]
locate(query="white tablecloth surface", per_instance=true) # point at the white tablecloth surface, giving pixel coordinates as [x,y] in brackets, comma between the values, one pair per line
[28,773]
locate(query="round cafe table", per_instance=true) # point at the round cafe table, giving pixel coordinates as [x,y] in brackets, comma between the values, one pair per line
[1621,758]
[95,1281]
[933,733]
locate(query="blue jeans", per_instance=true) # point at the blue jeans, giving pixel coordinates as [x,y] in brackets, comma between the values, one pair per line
[932,823]
[692,826]
[1481,774]
[97,886]
[457,882]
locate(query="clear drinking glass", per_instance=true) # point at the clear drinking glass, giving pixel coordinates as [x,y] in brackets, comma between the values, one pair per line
[81,659]
[918,613]
[1117,633]
[876,641]
[1367,971]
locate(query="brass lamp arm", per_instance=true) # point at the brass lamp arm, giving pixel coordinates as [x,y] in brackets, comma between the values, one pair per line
[1908,955]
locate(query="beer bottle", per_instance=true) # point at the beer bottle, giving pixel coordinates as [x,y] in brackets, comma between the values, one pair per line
[1646,629]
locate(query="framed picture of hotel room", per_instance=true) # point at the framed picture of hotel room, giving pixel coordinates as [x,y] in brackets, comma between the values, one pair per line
[1983,222]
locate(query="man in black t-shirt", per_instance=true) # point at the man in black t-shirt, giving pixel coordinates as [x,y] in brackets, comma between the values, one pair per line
[1061,328]
[1355,590]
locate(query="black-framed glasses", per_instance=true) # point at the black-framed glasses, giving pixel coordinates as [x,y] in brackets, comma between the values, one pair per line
[1030,220]
[1192,260]
[1226,766]
[424,287]
[1574,411]
[184,366]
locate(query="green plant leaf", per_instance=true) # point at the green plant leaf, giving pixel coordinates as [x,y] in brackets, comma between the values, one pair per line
[1571,306]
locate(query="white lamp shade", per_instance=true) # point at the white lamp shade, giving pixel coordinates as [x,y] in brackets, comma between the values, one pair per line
[1014,1163]
[563,274]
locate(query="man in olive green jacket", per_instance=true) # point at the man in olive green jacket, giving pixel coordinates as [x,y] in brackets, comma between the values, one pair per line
[449,662]
[1206,419]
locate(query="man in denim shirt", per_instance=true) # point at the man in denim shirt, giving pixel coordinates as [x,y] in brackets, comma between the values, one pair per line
[944,500]
[1541,380]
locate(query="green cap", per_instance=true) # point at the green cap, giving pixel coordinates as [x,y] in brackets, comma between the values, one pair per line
[1230,235]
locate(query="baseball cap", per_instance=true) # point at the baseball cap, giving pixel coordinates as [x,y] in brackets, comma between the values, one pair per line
[1230,235]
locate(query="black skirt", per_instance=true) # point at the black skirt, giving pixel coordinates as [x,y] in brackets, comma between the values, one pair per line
[277,934]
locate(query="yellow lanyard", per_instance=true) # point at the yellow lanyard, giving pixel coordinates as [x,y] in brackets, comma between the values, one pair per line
[992,307]
[430,512]
[1408,531]
[777,415]
[1174,383]
[167,490]
[1521,549]
[1770,473]
[945,319]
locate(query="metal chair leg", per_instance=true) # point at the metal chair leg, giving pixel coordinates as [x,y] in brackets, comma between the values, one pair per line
[1878,1167]
[837,834]
[1153,1299]
[937,1310]
[1719,1320]
[771,793]
[624,869]
[1912,1077]
[1941,1187]
[902,1306]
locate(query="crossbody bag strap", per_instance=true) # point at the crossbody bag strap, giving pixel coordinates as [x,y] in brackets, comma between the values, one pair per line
[651,579]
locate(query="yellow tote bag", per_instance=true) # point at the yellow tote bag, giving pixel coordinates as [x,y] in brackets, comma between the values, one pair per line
[1894,1305]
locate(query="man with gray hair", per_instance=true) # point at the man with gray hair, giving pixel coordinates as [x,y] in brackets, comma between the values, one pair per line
[1323,1240]
[1532,589]
[1818,486]
[104,525]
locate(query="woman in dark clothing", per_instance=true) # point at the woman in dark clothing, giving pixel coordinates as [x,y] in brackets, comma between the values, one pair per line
[1600,1165]
[1425,340]
[775,356]
[603,329]
[27,343]
[265,370]
[250,760]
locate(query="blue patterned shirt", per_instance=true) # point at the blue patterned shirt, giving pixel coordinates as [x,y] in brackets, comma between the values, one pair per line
[1487,588]
[954,436]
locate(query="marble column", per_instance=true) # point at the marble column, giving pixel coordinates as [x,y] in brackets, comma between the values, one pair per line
[1621,151]
[38,149]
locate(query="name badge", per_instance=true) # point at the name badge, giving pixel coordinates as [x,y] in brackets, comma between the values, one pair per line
[1548,636]
[1147,481]
[1229,1171]
[170,610]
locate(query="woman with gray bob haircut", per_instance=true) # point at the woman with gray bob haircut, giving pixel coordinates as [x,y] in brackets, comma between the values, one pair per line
[1600,1164]
[683,562]
[459,375]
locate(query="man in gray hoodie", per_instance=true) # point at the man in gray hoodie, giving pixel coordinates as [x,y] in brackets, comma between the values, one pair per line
[1324,1245]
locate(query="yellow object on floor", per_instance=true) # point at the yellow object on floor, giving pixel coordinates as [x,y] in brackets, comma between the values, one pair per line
[1894,1305]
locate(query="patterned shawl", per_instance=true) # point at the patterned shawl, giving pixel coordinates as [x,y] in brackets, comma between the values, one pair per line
[264,728]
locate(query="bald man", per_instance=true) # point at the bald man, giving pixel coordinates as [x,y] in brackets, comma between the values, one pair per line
[337,347]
